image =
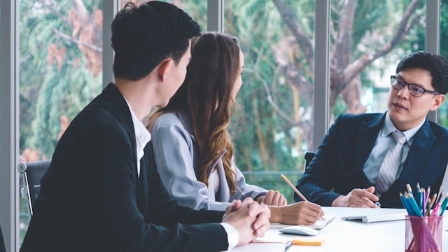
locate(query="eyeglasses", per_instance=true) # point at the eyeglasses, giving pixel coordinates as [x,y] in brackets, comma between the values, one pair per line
[414,89]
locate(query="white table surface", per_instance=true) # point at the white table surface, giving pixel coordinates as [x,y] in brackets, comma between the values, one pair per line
[340,235]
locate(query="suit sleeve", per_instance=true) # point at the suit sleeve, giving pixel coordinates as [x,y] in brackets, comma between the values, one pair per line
[318,180]
[173,150]
[165,209]
[117,202]
[245,190]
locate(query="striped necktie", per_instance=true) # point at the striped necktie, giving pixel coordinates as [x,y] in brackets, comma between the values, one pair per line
[391,164]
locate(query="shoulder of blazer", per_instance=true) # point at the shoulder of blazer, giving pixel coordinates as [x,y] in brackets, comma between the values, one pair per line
[355,120]
[166,124]
[438,130]
[360,117]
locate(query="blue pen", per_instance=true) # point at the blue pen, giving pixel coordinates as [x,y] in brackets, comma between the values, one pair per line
[405,204]
[418,197]
[443,207]
[402,202]
[414,206]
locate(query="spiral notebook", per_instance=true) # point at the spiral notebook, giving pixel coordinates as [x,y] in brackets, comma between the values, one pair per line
[321,223]
[376,217]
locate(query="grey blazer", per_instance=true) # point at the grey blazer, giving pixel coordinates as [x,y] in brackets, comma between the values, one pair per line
[177,162]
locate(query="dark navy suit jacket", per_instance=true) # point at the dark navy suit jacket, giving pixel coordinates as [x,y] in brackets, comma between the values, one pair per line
[92,199]
[337,167]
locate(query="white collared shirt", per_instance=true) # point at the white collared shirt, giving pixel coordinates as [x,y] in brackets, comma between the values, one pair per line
[142,136]
[383,143]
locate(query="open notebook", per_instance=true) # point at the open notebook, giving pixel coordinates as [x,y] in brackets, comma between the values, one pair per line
[318,225]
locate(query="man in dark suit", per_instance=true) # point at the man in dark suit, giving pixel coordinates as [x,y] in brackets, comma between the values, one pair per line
[102,191]
[347,165]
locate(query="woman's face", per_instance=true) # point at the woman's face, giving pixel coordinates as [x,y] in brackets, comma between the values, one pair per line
[239,80]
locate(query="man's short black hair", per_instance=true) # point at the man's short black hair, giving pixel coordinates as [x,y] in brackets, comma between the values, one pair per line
[435,64]
[144,36]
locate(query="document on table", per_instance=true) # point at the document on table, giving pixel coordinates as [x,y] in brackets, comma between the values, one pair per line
[318,225]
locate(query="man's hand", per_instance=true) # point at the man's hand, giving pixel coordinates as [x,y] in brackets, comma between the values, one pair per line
[357,198]
[273,198]
[302,213]
[249,218]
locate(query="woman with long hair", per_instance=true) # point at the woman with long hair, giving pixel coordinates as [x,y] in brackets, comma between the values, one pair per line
[192,146]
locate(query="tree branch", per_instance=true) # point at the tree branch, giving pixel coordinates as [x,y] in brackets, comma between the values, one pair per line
[289,69]
[403,28]
[67,37]
[268,91]
[343,43]
[300,36]
[54,11]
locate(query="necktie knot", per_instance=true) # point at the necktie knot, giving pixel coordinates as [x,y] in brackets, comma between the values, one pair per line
[399,137]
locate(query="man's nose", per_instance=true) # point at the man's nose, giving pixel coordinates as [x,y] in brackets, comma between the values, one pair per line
[404,92]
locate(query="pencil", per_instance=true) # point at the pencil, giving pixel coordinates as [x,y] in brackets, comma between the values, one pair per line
[293,187]
[439,197]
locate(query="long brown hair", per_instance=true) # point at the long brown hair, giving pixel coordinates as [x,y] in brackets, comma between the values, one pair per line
[206,95]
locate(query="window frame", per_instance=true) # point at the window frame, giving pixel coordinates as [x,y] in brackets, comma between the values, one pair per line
[9,85]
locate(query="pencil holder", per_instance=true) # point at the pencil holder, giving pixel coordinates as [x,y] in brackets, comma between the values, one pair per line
[423,234]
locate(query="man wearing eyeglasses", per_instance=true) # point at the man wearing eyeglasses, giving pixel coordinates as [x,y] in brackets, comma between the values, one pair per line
[366,160]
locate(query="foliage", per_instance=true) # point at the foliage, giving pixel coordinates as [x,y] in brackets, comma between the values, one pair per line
[273,124]
[58,75]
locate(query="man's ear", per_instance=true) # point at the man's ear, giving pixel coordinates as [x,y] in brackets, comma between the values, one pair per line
[438,100]
[162,69]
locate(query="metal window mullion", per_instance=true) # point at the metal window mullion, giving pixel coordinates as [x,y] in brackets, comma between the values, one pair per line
[9,123]
[432,35]
[215,15]
[321,71]
[110,8]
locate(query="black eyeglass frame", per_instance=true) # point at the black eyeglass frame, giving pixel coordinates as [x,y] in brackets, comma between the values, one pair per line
[393,80]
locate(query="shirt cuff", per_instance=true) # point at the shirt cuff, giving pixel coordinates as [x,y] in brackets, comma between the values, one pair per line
[232,235]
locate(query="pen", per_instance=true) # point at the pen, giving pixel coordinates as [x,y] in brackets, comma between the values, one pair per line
[433,199]
[293,187]
[435,210]
[425,200]
[418,197]
[413,205]
[409,189]
[288,245]
[439,197]
[444,203]
[405,204]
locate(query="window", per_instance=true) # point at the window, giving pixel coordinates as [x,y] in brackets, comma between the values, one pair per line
[272,125]
[366,44]
[60,72]
[197,9]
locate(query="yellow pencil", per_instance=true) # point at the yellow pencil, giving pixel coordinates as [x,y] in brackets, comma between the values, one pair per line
[293,187]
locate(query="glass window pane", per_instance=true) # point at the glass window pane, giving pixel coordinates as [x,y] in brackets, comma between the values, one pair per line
[272,125]
[366,45]
[60,72]
[197,9]
[442,116]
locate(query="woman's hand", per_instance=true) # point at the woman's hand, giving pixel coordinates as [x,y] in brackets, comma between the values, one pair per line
[273,198]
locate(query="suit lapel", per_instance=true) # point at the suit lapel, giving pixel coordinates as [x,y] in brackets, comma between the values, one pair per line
[142,185]
[367,135]
[112,95]
[424,139]
[116,99]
